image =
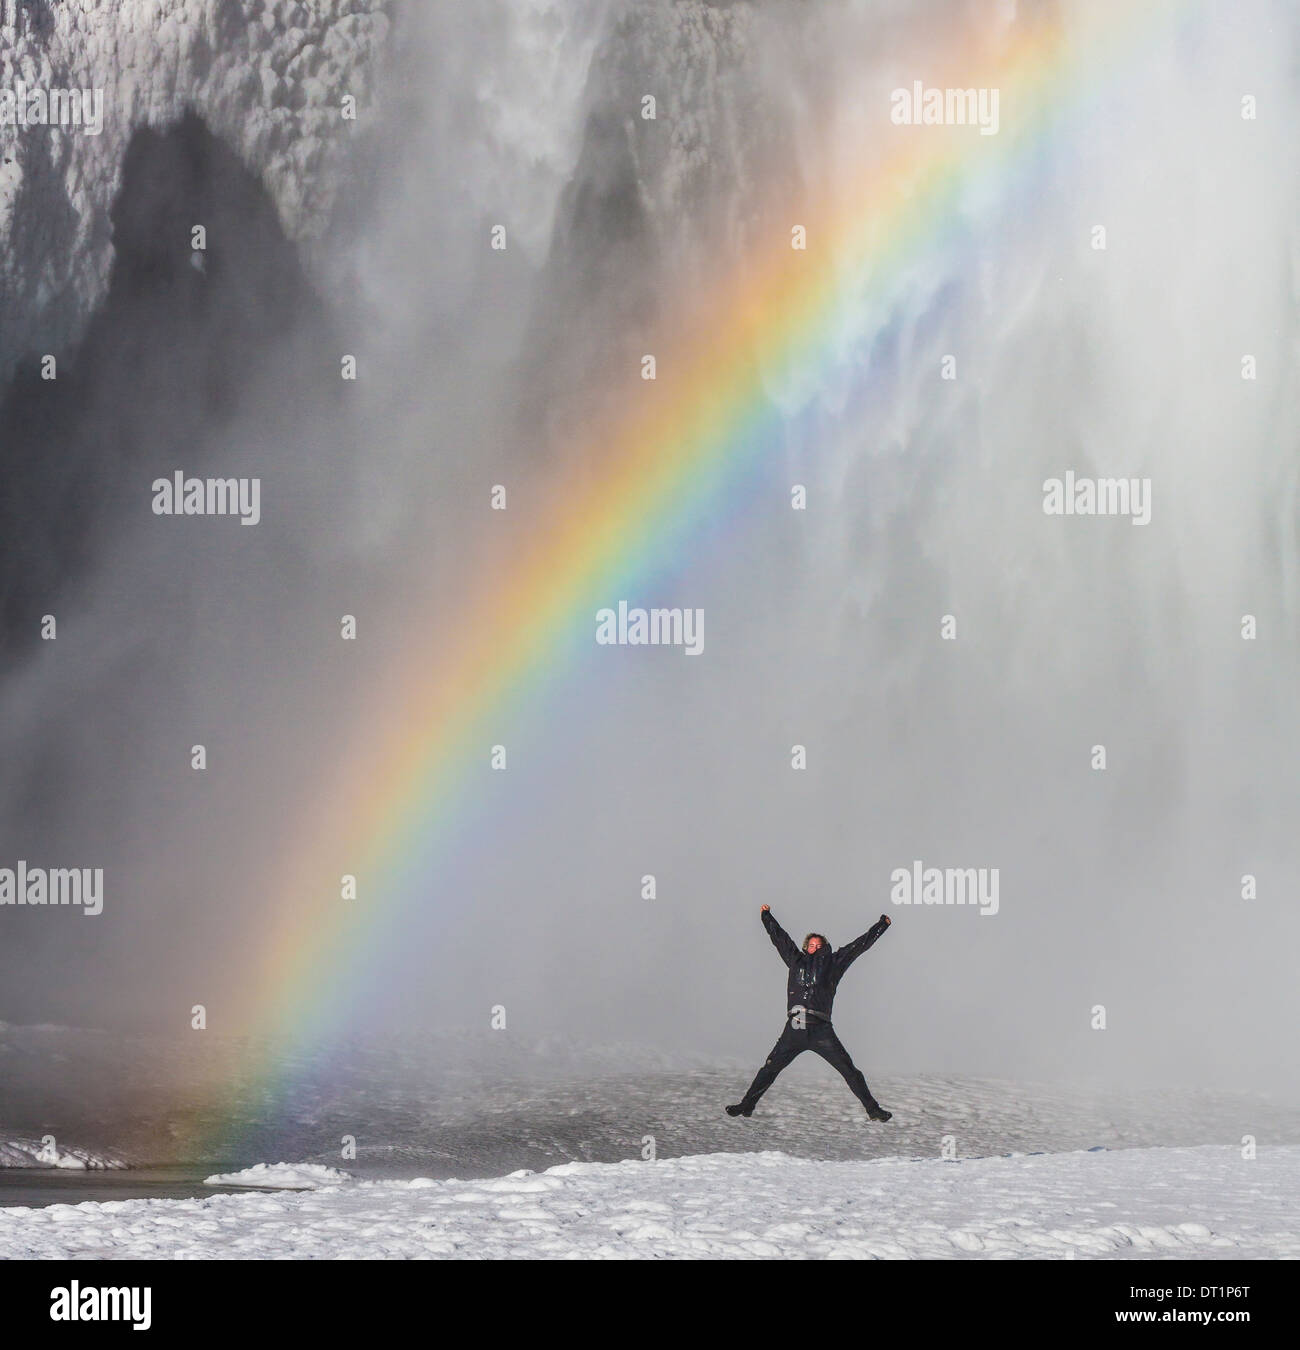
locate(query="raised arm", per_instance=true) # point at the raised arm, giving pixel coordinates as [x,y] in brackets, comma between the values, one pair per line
[850,952]
[781,940]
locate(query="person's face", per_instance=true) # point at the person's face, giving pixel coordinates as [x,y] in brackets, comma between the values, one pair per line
[814,944]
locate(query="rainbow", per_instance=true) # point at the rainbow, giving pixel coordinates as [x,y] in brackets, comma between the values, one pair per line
[662,474]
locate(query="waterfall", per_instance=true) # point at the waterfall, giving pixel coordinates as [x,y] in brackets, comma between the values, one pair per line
[964,745]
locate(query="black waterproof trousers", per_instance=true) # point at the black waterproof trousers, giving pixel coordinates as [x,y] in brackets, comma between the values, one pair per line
[820,1038]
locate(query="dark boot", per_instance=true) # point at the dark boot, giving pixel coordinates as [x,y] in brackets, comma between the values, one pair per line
[827,1044]
[791,1043]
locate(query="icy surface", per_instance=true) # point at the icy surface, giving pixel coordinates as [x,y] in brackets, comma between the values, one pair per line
[1207,1202]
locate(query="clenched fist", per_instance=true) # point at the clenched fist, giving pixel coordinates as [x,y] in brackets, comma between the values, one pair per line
[885,919]
[764,909]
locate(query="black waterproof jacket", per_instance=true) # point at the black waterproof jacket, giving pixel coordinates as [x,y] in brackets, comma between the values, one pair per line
[813,979]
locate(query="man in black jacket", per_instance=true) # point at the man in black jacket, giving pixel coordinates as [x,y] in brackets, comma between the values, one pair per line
[810,991]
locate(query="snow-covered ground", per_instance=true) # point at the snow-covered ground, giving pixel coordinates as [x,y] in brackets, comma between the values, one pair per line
[467,1106]
[1203,1202]
[808,1175]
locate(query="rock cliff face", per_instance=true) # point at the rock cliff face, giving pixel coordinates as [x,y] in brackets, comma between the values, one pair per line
[267,76]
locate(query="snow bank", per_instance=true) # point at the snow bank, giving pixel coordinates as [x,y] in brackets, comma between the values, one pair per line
[1203,1202]
[39,1153]
[282,1176]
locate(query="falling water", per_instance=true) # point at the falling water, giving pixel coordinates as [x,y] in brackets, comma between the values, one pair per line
[825,629]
